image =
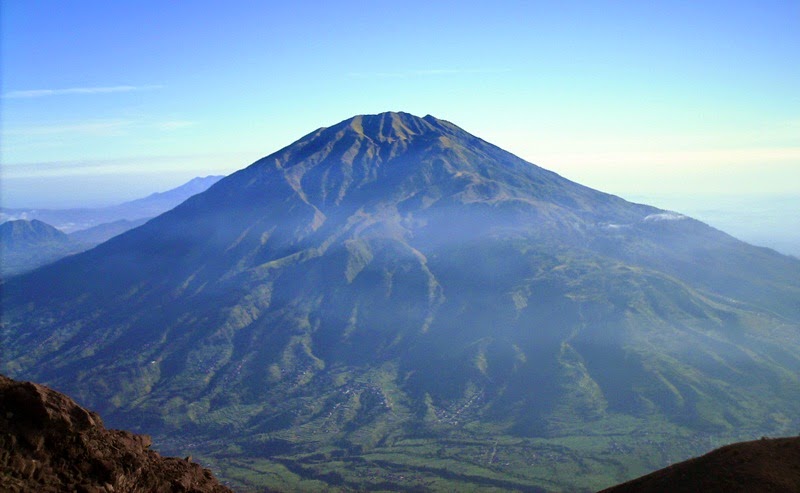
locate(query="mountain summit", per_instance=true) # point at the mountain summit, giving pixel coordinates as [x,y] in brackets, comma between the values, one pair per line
[392,281]
[402,159]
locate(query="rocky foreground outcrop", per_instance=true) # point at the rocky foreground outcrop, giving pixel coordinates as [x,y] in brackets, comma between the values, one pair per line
[48,443]
[766,465]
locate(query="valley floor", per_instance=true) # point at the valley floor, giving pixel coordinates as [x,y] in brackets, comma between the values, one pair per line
[467,460]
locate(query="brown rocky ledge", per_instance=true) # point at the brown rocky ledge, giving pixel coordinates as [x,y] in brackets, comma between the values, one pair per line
[48,443]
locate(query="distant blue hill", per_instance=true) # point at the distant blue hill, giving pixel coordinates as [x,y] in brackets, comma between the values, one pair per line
[30,238]
[71,220]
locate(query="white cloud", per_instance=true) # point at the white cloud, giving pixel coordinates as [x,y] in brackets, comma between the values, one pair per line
[143,165]
[613,226]
[39,93]
[665,216]
[96,128]
[402,74]
[175,125]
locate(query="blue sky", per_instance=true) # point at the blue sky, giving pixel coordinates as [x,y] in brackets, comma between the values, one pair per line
[104,101]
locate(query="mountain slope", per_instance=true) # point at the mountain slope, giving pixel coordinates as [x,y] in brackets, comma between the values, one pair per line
[395,278]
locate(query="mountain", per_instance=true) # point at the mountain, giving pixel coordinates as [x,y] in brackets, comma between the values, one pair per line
[392,302]
[156,203]
[49,443]
[72,220]
[86,227]
[759,466]
[24,245]
[19,235]
[98,234]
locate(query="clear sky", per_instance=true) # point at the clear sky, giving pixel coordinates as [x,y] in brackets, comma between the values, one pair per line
[107,100]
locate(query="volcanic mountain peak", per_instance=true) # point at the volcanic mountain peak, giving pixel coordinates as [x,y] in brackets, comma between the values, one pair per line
[377,137]
[388,127]
[404,161]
